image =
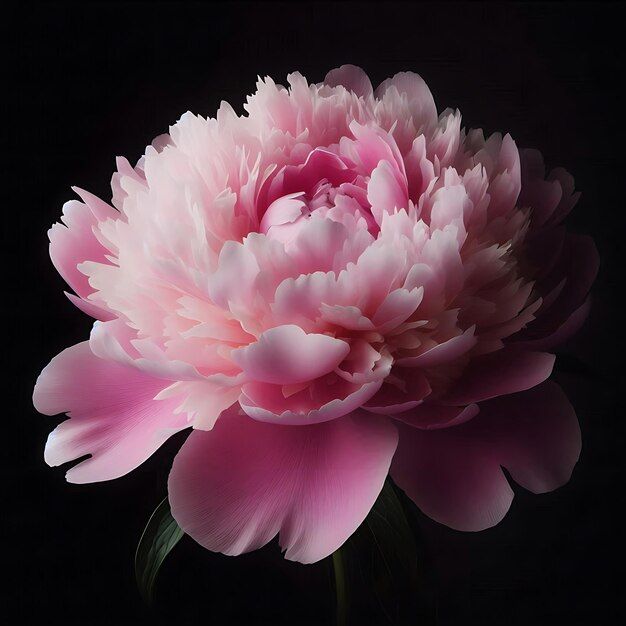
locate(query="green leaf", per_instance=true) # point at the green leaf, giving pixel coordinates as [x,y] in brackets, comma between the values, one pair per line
[159,537]
[381,559]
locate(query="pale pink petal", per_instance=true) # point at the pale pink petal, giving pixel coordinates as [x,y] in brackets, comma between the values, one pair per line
[235,277]
[396,308]
[285,355]
[233,489]
[420,99]
[90,308]
[202,401]
[348,317]
[312,405]
[113,414]
[116,341]
[317,244]
[384,192]
[73,242]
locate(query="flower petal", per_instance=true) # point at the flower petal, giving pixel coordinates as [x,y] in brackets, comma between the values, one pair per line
[113,414]
[454,474]
[73,242]
[384,191]
[234,488]
[442,353]
[286,355]
[312,405]
[420,99]
[352,78]
[500,373]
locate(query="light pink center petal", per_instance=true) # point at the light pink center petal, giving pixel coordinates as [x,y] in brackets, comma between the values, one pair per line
[286,355]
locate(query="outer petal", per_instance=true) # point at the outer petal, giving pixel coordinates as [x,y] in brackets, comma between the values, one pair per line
[454,474]
[420,99]
[578,264]
[235,487]
[114,416]
[352,78]
[500,373]
[431,416]
[73,242]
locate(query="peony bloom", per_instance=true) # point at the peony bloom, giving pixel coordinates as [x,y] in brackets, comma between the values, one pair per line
[338,285]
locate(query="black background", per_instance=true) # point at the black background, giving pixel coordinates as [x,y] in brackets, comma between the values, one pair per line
[84,83]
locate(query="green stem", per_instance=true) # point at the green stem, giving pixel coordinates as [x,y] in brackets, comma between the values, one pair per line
[341,589]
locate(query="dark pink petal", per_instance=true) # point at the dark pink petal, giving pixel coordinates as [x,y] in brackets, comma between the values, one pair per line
[431,416]
[454,474]
[500,373]
[578,265]
[235,487]
[399,396]
[569,328]
[113,414]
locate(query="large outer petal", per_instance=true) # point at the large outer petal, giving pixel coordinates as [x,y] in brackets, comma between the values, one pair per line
[454,474]
[113,414]
[235,487]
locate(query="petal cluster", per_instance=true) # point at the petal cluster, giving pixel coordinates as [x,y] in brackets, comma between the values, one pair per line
[338,282]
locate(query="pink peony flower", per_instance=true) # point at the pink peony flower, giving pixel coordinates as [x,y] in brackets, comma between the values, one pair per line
[340,284]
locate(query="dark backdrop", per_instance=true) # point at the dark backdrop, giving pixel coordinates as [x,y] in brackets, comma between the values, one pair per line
[86,83]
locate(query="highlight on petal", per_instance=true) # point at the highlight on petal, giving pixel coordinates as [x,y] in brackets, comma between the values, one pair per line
[311,485]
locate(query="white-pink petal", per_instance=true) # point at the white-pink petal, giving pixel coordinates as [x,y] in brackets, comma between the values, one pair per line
[114,416]
[285,355]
